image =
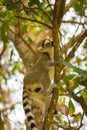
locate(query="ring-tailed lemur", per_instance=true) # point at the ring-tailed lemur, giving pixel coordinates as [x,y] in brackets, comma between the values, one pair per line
[36,83]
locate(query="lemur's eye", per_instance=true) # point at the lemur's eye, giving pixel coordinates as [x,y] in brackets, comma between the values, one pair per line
[47,44]
[38,89]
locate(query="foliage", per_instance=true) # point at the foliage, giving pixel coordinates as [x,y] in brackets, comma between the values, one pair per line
[23,24]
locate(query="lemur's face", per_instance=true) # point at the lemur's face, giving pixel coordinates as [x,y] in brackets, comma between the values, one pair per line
[46,45]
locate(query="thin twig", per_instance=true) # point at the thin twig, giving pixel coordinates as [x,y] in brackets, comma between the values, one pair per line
[74,22]
[50,5]
[10,107]
[27,45]
[36,8]
[71,54]
[35,21]
[72,42]
[44,13]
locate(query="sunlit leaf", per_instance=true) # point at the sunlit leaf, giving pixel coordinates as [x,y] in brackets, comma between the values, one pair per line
[13,20]
[16,67]
[71,108]
[84,95]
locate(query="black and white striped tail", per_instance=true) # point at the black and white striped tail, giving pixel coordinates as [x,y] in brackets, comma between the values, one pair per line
[28,112]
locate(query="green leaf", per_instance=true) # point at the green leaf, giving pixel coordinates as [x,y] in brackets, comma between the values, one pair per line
[12,5]
[3,31]
[30,41]
[71,108]
[16,67]
[85,45]
[80,6]
[34,2]
[24,29]
[69,77]
[84,95]
[77,7]
[11,54]
[82,2]
[80,80]
[13,20]
[6,1]
[26,10]
[0,99]
[81,72]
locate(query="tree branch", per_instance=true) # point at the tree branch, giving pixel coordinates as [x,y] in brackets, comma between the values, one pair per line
[23,41]
[11,107]
[44,13]
[74,22]
[50,6]
[35,21]
[24,50]
[1,123]
[36,8]
[58,12]
[78,41]
[73,40]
